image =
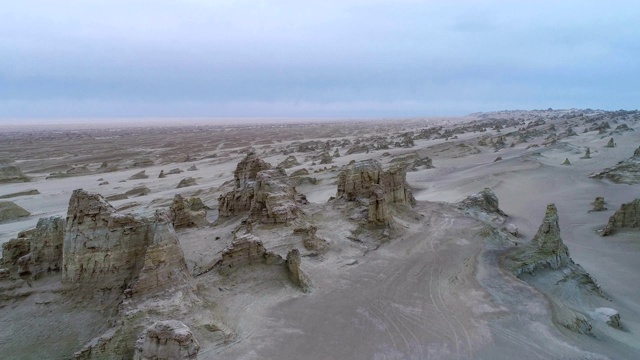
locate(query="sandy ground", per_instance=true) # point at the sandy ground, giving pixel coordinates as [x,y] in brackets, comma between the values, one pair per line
[434,291]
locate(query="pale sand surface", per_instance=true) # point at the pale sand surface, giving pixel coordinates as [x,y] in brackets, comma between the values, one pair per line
[436,291]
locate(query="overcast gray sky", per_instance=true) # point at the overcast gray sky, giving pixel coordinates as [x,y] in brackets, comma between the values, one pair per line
[330,58]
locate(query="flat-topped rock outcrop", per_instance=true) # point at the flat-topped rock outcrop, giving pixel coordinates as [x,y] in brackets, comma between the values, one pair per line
[628,216]
[366,181]
[168,339]
[107,251]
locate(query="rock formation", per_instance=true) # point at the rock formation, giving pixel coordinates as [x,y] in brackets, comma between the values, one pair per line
[547,251]
[267,195]
[188,212]
[139,175]
[20,193]
[247,169]
[174,171]
[598,204]
[296,274]
[107,252]
[11,174]
[10,211]
[188,181]
[311,241]
[192,168]
[138,191]
[246,249]
[326,158]
[35,252]
[289,162]
[365,180]
[609,316]
[484,206]
[336,153]
[624,172]
[628,216]
[169,339]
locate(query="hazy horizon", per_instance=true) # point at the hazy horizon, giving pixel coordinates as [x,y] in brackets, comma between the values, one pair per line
[332,59]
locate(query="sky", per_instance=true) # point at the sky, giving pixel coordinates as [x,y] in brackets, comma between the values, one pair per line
[319,59]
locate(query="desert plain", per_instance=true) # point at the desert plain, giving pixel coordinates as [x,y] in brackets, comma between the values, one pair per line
[429,238]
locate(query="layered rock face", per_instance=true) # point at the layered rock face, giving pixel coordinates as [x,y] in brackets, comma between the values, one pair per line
[110,252]
[246,249]
[628,216]
[247,169]
[36,252]
[11,174]
[188,212]
[169,339]
[275,199]
[267,195]
[367,180]
[624,172]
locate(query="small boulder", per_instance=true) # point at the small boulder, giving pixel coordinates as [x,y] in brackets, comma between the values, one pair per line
[188,181]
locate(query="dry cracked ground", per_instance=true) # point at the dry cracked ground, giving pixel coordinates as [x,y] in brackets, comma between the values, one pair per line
[502,235]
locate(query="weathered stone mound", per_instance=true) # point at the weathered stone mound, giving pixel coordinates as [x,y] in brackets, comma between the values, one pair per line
[628,216]
[296,274]
[366,181]
[138,176]
[247,169]
[598,204]
[289,162]
[10,211]
[106,251]
[186,182]
[624,172]
[11,174]
[246,249]
[268,195]
[311,240]
[169,339]
[35,252]
[188,212]
[484,206]
[138,191]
